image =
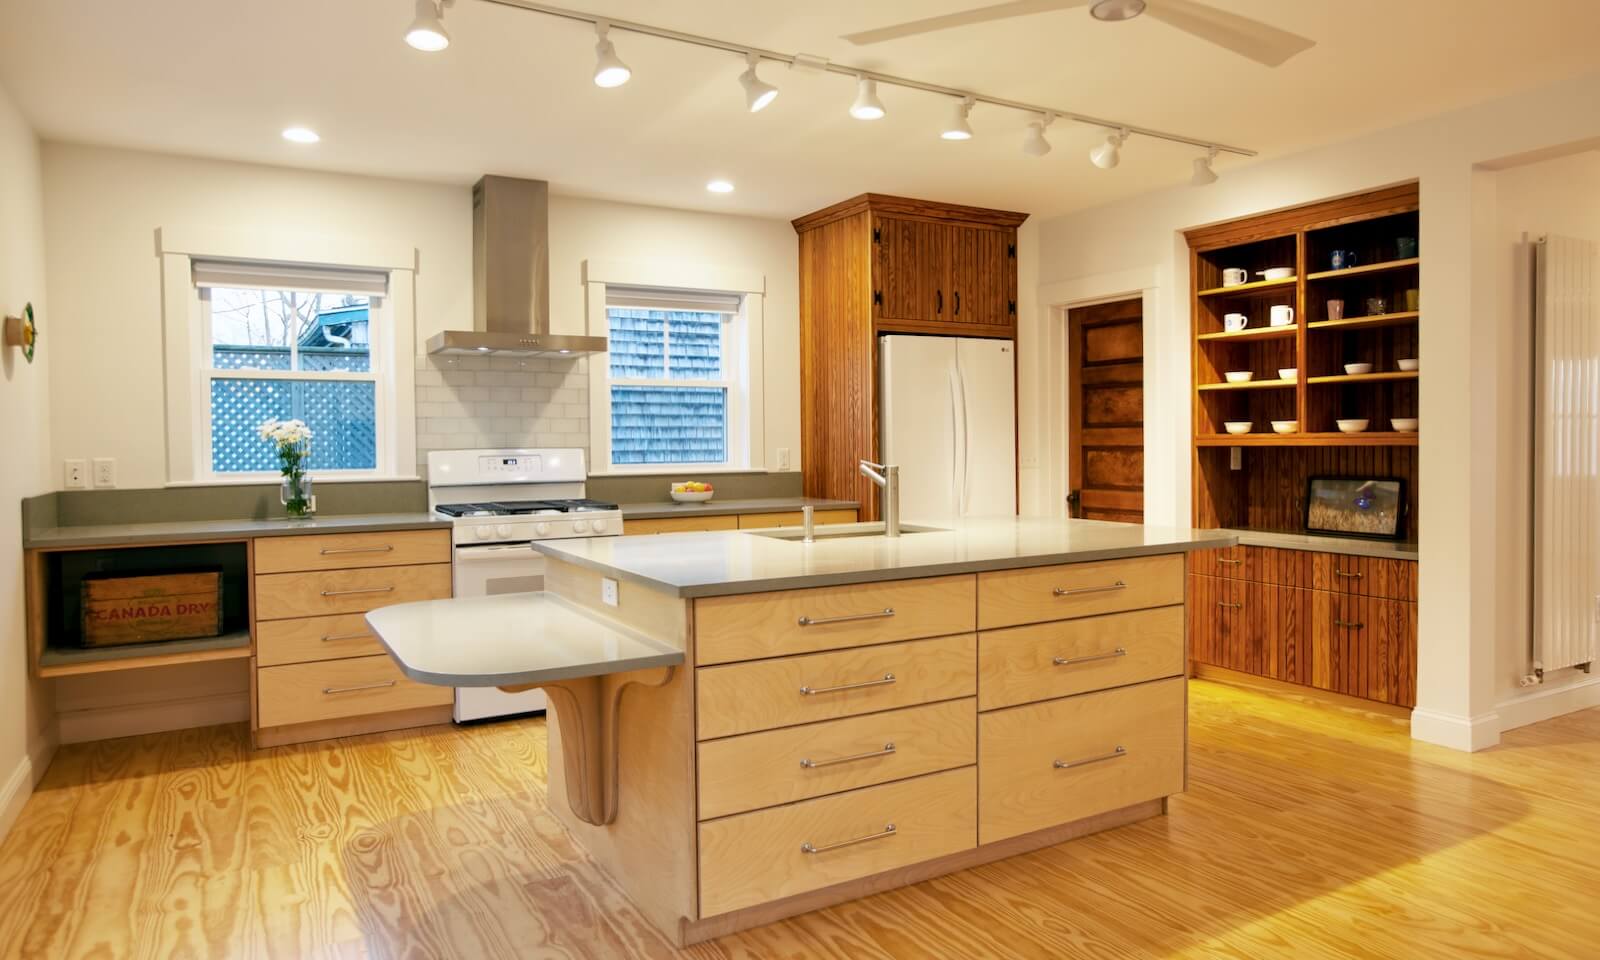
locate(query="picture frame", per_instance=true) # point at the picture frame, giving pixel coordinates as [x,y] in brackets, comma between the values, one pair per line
[1372,508]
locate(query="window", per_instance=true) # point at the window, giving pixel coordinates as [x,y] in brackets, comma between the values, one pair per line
[675,378]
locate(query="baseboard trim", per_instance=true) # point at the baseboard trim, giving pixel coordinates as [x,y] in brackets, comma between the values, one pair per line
[134,719]
[1468,734]
[351,726]
[18,787]
[1250,681]
[1547,703]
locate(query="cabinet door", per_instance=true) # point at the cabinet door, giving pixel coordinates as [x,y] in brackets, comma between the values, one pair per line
[981,284]
[908,269]
[1364,647]
[1219,627]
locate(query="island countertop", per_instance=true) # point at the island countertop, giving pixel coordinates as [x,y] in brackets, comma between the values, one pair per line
[727,563]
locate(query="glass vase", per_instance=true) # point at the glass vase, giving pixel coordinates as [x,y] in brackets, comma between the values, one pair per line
[294,492]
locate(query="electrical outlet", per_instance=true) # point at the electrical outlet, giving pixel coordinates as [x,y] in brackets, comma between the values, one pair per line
[608,591]
[77,474]
[1235,458]
[783,458]
[105,471]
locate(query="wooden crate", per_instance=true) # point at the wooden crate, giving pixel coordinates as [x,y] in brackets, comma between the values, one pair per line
[120,610]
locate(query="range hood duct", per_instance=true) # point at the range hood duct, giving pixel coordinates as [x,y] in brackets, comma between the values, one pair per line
[511,277]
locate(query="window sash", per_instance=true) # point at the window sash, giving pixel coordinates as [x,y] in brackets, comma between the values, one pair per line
[729,306]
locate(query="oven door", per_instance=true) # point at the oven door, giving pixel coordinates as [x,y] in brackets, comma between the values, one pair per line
[482,571]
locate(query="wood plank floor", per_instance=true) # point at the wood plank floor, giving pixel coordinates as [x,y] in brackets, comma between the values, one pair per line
[1307,832]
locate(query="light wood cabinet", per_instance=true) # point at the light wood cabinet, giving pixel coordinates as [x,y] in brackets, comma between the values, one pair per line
[335,689]
[1010,597]
[312,594]
[1048,660]
[305,639]
[767,521]
[337,551]
[734,521]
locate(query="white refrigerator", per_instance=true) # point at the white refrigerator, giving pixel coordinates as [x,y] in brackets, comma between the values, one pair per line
[949,422]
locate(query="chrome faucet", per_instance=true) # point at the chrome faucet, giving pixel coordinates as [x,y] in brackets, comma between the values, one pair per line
[889,479]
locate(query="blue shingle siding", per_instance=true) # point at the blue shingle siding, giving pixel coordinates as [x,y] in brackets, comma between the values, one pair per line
[667,424]
[340,413]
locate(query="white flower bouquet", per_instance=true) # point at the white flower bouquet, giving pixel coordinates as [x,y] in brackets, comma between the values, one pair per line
[292,441]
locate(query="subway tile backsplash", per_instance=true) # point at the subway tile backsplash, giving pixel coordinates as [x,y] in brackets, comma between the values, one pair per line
[465,402]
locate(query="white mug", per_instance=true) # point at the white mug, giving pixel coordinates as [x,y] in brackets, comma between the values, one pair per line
[1234,321]
[1282,315]
[1233,276]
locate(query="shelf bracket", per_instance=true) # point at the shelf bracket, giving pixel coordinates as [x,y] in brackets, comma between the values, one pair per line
[587,711]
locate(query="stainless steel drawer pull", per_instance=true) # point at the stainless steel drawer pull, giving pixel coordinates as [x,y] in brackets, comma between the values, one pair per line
[1069,764]
[1069,661]
[334,551]
[809,691]
[1226,560]
[847,618]
[1346,574]
[359,686]
[331,637]
[1234,606]
[1352,624]
[1075,591]
[808,847]
[809,764]
[345,593]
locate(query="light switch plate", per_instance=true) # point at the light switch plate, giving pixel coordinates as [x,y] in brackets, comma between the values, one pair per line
[76,474]
[105,471]
[783,458]
[1235,458]
[608,591]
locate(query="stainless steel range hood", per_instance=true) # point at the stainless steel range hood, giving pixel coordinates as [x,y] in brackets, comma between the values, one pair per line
[511,277]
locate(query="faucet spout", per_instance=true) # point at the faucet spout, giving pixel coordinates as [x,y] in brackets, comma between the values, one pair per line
[888,478]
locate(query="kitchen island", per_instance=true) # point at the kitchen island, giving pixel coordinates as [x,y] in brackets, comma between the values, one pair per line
[850,715]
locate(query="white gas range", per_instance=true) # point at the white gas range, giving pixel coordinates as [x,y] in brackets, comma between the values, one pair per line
[499,501]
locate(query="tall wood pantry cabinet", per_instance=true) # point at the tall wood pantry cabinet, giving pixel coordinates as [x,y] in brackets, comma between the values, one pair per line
[874,265]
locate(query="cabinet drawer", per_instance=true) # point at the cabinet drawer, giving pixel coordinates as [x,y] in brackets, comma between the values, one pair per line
[762,521]
[826,618]
[339,551]
[283,595]
[307,692]
[314,638]
[679,525]
[1364,576]
[1011,597]
[759,857]
[1116,748]
[1048,660]
[796,763]
[761,695]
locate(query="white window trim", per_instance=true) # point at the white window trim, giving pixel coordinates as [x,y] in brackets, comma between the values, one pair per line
[187,372]
[744,359]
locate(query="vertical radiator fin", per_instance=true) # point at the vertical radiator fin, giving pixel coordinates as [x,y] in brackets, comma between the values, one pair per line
[1566,555]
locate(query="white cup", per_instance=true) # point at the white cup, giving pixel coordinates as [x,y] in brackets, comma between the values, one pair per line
[1282,315]
[1233,276]
[1234,321]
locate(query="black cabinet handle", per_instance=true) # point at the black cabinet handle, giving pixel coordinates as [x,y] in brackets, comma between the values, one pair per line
[958,303]
[939,297]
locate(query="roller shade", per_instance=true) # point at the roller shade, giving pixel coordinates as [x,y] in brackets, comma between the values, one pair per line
[694,301]
[289,276]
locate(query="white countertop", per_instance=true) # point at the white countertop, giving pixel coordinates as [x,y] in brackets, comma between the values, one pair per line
[735,562]
[509,640]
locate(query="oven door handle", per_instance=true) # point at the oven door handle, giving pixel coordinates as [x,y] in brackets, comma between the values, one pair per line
[497,552]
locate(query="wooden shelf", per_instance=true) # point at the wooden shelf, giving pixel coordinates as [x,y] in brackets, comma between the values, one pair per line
[1366,377]
[1384,267]
[1372,438]
[1252,333]
[1257,289]
[1249,385]
[1358,323]
[71,661]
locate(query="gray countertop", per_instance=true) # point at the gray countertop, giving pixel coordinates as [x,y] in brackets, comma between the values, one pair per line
[735,562]
[122,534]
[1348,546]
[720,508]
[516,639]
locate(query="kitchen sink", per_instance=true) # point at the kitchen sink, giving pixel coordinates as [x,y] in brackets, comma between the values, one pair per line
[851,531]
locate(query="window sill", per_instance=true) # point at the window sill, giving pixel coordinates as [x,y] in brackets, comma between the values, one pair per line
[273,478]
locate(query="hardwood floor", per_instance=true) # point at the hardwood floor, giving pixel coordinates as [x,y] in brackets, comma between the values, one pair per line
[1307,832]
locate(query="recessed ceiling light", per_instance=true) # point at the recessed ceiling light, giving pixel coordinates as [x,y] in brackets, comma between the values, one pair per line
[300,135]
[957,128]
[609,70]
[720,186]
[867,105]
[1114,10]
[427,30]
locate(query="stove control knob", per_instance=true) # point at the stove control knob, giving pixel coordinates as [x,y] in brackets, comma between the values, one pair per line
[504,531]
[599,525]
[580,526]
[541,528]
[482,533]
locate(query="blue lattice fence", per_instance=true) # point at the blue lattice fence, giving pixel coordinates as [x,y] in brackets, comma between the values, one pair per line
[342,415]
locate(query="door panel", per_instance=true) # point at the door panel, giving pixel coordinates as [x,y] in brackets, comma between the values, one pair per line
[919,414]
[978,284]
[1105,370]
[909,271]
[987,398]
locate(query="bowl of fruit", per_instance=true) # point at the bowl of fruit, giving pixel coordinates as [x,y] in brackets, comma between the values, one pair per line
[692,491]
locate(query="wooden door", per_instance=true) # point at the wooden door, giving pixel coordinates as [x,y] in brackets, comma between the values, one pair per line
[1105,419]
[980,264]
[909,269]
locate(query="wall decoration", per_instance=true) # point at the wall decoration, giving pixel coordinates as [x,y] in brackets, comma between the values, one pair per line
[23,332]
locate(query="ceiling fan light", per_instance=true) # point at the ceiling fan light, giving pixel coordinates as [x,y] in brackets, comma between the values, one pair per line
[1033,142]
[427,31]
[609,70]
[1107,155]
[958,128]
[1114,10]
[867,105]
[1203,175]
[758,94]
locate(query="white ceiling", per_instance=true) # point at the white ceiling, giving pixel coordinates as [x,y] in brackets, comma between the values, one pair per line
[512,95]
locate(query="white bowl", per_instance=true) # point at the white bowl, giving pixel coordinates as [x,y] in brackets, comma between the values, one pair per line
[1239,376]
[1404,424]
[1238,426]
[1355,368]
[1351,426]
[1409,363]
[1288,373]
[1276,273]
[691,497]
[1285,426]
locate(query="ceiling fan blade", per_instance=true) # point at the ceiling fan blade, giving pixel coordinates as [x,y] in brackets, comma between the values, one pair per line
[1000,11]
[1249,38]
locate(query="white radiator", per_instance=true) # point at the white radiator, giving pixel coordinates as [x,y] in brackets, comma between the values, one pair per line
[1566,472]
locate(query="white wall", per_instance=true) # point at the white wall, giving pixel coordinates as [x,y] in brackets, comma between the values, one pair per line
[1102,251]
[26,733]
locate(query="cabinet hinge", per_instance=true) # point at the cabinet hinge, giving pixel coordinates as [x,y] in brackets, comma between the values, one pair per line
[1011,250]
[877,298]
[877,234]
[1011,307]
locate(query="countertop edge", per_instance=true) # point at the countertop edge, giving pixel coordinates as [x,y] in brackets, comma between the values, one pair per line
[755,505]
[1344,546]
[215,530]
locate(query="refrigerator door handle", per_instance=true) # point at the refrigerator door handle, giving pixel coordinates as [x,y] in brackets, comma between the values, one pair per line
[966,440]
[958,439]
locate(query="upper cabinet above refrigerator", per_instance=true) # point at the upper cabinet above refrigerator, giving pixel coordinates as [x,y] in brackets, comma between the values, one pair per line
[951,274]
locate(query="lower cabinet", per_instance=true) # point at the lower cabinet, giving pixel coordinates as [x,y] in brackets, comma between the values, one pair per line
[730,521]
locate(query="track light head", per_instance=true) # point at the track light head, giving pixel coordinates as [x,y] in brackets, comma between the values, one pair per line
[1203,174]
[427,31]
[867,105]
[757,93]
[957,128]
[1109,154]
[1033,142]
[609,70]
